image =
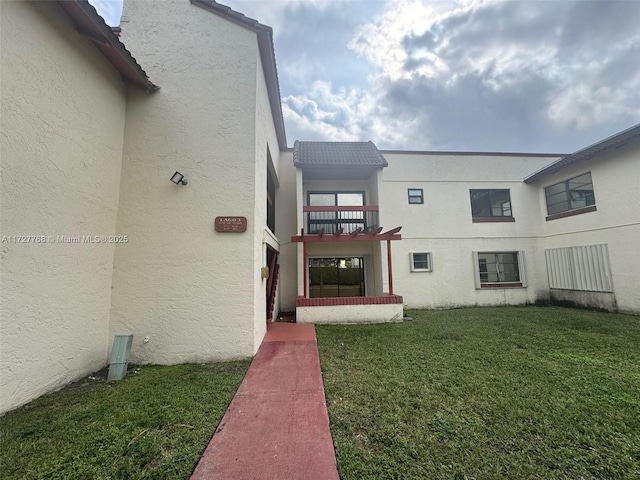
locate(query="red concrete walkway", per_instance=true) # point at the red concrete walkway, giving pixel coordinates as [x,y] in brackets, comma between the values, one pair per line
[277,425]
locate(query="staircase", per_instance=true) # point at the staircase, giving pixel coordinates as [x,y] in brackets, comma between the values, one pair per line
[272,284]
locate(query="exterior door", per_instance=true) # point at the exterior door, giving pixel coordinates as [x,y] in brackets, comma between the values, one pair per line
[336,277]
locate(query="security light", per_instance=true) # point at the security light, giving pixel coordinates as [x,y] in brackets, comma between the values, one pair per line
[178,179]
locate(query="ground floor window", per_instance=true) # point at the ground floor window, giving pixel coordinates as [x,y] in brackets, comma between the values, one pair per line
[336,277]
[420,261]
[498,269]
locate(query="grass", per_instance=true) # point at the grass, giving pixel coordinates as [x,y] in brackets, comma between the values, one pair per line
[486,393]
[153,424]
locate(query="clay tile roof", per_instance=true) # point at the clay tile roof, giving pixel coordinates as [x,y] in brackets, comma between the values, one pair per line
[587,153]
[347,154]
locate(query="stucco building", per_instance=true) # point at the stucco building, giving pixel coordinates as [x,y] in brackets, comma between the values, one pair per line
[97,241]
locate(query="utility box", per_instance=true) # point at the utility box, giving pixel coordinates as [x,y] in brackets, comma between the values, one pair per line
[120,357]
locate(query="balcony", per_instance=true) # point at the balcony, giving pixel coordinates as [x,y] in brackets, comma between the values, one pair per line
[336,220]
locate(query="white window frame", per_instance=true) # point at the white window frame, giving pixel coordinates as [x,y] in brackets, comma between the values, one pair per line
[521,270]
[429,262]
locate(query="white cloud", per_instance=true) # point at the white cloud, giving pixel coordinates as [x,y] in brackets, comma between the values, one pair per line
[580,106]
[381,41]
[323,113]
[491,61]
[110,10]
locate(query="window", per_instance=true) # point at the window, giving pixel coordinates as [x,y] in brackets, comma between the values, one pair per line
[331,220]
[499,269]
[491,205]
[572,194]
[420,262]
[271,196]
[415,195]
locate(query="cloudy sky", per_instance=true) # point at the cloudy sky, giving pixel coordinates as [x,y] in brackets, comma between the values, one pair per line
[486,75]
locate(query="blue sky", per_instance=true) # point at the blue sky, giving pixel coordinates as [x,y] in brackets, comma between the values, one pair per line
[486,75]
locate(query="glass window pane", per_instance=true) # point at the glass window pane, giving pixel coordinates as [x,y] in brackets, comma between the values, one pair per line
[336,277]
[480,203]
[350,199]
[557,188]
[421,261]
[574,193]
[498,267]
[578,182]
[490,203]
[500,203]
[415,195]
[322,199]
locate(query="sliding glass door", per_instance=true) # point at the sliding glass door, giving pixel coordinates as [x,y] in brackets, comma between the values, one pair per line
[336,277]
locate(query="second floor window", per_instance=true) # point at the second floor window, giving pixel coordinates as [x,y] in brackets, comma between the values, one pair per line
[491,203]
[415,195]
[575,193]
[331,220]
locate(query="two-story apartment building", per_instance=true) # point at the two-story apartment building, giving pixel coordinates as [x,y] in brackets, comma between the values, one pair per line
[335,231]
[475,228]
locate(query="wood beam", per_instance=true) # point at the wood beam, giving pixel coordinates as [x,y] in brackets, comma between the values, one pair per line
[392,231]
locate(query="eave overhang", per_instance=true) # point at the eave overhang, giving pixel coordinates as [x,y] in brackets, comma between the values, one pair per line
[93,27]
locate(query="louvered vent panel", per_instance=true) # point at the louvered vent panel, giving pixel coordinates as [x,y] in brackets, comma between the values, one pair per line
[579,268]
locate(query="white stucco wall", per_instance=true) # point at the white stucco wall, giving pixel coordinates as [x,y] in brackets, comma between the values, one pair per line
[63,111]
[443,226]
[191,290]
[616,222]
[350,314]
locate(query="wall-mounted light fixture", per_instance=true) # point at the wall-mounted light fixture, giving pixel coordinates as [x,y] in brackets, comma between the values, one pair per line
[178,179]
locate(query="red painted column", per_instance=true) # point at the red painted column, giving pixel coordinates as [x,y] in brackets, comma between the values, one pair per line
[390,269]
[305,268]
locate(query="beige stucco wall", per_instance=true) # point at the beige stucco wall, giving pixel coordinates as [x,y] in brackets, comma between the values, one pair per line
[265,140]
[616,222]
[443,226]
[192,291]
[63,110]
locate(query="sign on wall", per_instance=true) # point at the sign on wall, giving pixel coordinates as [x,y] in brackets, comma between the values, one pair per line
[231,224]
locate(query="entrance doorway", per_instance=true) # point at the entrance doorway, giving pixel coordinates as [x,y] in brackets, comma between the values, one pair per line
[336,277]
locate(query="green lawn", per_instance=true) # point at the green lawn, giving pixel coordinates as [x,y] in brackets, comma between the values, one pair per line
[483,393]
[154,424]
